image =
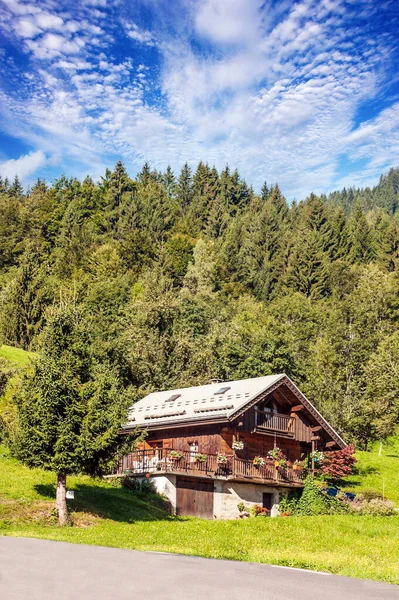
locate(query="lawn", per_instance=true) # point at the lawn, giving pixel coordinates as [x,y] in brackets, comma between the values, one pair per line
[16,356]
[378,473]
[366,547]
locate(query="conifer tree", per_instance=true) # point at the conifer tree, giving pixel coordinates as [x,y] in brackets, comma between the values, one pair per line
[184,187]
[70,407]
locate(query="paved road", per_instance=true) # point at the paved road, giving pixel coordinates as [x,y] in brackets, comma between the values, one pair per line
[43,570]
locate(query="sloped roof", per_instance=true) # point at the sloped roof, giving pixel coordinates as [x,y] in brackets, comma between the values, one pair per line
[199,402]
[203,402]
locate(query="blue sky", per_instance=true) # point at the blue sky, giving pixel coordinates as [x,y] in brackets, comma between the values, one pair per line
[304,93]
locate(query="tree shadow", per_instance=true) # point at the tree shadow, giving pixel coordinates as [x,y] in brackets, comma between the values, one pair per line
[365,470]
[47,491]
[116,504]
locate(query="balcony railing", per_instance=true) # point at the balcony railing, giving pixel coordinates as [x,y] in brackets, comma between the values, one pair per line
[162,460]
[275,422]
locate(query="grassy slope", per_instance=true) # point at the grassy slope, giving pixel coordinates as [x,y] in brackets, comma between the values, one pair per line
[15,356]
[378,473]
[355,546]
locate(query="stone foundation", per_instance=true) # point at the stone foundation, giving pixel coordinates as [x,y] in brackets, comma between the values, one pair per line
[227,495]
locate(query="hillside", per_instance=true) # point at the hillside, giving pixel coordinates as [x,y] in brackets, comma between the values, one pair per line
[366,547]
[16,357]
[180,278]
[379,474]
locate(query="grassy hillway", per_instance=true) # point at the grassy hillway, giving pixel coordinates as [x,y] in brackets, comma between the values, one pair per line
[366,547]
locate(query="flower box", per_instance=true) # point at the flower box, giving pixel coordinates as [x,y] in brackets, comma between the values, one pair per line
[222,459]
[238,445]
[175,455]
[201,458]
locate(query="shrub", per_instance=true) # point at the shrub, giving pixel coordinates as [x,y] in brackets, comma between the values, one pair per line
[288,505]
[315,502]
[338,464]
[145,486]
[257,510]
[376,507]
[368,495]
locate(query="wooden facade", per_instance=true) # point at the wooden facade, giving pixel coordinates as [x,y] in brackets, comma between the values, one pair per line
[278,417]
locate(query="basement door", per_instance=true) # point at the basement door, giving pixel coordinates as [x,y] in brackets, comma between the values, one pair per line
[194,497]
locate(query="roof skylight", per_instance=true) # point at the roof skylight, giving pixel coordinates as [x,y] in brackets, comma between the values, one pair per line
[222,390]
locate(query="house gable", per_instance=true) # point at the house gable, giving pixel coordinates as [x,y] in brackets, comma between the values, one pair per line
[225,403]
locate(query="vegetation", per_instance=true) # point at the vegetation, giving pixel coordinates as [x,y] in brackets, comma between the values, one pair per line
[188,277]
[366,547]
[16,357]
[375,474]
[69,407]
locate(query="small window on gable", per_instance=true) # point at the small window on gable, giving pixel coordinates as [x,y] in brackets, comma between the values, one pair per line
[222,390]
[173,397]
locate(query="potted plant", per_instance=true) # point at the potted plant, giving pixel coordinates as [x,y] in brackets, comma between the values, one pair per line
[259,461]
[175,455]
[201,458]
[238,445]
[221,459]
[317,456]
[297,466]
[278,457]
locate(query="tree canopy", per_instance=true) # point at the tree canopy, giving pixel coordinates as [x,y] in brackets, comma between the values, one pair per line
[182,277]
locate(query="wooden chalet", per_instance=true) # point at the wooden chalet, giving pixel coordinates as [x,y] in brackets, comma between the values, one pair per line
[202,442]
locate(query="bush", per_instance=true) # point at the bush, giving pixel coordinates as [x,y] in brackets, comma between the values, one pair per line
[377,507]
[368,495]
[338,464]
[257,510]
[145,486]
[315,502]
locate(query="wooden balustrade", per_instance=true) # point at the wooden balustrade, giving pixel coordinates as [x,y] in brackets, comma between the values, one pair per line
[162,460]
[275,422]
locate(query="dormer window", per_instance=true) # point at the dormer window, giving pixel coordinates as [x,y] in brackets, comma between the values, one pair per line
[222,390]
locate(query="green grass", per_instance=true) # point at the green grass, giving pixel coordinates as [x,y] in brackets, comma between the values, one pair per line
[366,547]
[16,356]
[378,473]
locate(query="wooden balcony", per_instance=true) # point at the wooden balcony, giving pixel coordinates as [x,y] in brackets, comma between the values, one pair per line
[160,461]
[275,422]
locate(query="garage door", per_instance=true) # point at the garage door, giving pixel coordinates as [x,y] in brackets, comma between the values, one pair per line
[194,497]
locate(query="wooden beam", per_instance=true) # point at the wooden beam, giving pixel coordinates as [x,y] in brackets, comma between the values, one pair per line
[297,408]
[317,428]
[330,444]
[315,438]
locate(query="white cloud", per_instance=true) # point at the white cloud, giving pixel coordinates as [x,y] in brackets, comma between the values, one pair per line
[48,21]
[27,28]
[276,93]
[138,35]
[229,21]
[24,166]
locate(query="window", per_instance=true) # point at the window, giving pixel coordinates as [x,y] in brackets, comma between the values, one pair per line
[173,398]
[193,446]
[222,390]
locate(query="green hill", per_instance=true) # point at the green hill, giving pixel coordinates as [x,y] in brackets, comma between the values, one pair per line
[379,474]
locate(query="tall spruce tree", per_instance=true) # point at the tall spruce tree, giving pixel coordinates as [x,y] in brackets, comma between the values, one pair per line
[70,407]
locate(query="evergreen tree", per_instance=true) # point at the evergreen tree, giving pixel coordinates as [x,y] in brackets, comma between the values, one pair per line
[184,187]
[70,407]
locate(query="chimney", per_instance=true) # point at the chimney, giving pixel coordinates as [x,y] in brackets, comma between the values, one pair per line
[216,380]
